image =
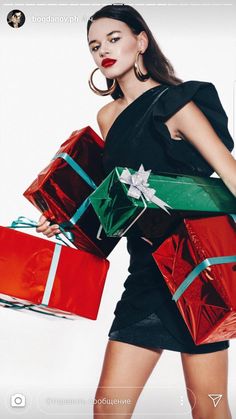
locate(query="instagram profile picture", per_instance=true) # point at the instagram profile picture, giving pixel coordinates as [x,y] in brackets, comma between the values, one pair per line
[15,18]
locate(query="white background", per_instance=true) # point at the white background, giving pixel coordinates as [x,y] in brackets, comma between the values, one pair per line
[44,97]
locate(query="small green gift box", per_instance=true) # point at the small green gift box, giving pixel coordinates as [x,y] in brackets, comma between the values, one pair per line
[139,202]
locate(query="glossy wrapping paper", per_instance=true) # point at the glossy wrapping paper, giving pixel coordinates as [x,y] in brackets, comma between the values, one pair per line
[186,195]
[208,305]
[59,191]
[25,262]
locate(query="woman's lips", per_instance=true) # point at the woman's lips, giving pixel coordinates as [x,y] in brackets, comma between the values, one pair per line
[108,62]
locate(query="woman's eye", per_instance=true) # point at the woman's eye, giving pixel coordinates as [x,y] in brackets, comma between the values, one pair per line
[115,39]
[112,40]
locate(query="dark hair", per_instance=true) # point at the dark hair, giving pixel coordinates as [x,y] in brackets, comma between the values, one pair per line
[13,13]
[157,65]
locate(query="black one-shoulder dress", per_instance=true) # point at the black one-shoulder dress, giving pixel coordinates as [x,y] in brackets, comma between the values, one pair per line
[146,315]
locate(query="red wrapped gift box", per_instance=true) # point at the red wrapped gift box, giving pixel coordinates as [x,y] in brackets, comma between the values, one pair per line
[53,277]
[207,298]
[61,191]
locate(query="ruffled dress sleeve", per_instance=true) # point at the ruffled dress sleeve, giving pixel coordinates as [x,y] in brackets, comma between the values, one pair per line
[184,156]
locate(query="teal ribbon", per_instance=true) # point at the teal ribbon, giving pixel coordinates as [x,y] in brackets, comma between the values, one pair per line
[78,169]
[32,307]
[16,305]
[79,212]
[24,222]
[51,275]
[198,269]
[233,216]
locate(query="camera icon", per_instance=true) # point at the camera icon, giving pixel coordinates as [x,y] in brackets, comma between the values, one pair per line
[17,400]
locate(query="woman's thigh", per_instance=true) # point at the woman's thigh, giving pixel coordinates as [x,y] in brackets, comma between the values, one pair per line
[125,370]
[207,374]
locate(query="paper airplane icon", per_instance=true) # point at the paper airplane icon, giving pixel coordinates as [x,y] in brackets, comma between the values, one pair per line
[215,398]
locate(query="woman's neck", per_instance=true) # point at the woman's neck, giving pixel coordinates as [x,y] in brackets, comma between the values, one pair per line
[133,88]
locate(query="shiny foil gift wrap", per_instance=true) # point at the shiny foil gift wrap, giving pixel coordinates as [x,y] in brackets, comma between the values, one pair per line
[61,190]
[206,298]
[49,278]
[148,204]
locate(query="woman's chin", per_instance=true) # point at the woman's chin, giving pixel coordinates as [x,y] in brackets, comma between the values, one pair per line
[114,73]
[110,73]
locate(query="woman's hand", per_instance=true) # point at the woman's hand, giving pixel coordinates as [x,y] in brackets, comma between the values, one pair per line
[45,227]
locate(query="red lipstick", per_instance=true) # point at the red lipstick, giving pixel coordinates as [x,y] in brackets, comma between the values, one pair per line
[107,62]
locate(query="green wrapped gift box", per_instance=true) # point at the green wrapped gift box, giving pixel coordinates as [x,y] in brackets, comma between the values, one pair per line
[139,202]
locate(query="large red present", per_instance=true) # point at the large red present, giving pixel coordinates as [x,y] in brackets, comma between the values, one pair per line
[198,263]
[62,189]
[49,277]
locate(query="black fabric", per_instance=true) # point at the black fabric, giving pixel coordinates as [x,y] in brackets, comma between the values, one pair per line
[139,136]
[184,157]
[151,333]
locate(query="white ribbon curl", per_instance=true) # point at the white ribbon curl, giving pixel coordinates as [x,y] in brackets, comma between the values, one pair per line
[139,187]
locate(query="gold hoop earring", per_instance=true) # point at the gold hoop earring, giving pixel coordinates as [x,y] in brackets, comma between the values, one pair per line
[99,91]
[138,73]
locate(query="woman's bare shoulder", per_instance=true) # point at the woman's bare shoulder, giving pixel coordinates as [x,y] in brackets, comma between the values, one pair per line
[106,116]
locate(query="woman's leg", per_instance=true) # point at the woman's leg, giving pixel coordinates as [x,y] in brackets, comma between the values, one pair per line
[126,369]
[207,374]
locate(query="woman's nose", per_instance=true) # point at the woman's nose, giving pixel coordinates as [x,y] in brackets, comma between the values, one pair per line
[104,49]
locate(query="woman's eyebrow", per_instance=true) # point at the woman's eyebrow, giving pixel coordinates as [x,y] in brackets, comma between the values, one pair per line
[108,34]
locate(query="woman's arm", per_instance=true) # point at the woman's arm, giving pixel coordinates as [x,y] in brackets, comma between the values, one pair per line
[191,123]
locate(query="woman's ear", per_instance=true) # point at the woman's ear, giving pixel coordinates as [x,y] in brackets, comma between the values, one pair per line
[142,41]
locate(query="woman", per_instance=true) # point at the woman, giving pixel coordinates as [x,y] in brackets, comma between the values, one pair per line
[16,19]
[169,126]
